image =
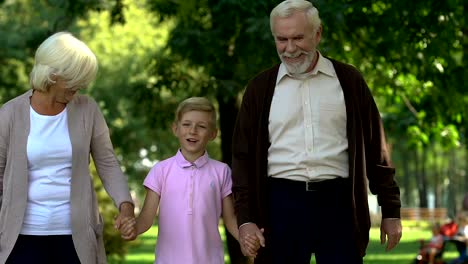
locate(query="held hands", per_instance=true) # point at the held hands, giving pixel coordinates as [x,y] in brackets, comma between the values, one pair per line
[390,229]
[251,245]
[128,229]
[125,221]
[251,239]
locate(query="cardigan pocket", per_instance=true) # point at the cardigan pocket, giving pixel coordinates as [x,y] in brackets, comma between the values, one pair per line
[2,226]
[99,227]
[99,246]
[95,234]
[92,245]
[98,230]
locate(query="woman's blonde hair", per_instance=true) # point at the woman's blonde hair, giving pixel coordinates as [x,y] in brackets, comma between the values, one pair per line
[63,56]
[196,104]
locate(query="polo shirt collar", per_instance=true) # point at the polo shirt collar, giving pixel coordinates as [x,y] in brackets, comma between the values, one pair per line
[183,163]
[322,66]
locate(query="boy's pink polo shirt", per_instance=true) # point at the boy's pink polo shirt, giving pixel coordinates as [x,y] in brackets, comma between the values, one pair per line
[190,208]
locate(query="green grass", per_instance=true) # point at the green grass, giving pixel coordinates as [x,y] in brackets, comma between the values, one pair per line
[142,250]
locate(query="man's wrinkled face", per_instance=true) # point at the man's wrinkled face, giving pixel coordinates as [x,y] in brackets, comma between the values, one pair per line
[296,42]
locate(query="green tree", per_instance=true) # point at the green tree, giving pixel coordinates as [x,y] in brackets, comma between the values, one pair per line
[136,114]
[24,24]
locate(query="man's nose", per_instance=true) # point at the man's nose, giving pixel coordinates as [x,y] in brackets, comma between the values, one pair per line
[291,46]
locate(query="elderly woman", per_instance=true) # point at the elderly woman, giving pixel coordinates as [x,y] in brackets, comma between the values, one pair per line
[49,212]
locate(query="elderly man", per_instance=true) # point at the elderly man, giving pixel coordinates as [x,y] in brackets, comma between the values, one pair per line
[307,144]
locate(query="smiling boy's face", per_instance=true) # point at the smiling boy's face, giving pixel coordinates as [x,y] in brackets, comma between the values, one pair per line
[194,130]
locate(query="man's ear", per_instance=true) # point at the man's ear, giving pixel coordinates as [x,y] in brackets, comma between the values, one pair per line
[318,34]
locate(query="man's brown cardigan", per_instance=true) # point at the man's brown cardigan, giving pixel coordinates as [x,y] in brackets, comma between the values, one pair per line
[369,161]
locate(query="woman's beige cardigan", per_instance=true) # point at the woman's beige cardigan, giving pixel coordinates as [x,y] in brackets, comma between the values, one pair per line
[88,134]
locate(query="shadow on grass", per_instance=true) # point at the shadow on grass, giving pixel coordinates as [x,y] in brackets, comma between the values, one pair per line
[141,251]
[405,252]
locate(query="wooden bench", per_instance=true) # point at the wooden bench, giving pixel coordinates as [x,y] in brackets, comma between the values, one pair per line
[426,214]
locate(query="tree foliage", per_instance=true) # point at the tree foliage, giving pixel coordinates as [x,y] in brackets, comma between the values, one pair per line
[411,54]
[24,24]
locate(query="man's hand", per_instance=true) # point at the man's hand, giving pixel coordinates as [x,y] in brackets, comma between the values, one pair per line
[391,230]
[248,233]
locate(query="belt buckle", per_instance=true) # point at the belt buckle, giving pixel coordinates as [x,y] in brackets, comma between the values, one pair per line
[309,186]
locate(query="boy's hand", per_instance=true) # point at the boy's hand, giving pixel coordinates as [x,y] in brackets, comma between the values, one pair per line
[251,241]
[251,245]
[128,228]
[250,229]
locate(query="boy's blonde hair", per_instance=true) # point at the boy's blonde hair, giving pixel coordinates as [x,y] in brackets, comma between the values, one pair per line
[196,104]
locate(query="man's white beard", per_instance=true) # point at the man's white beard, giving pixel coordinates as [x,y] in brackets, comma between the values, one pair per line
[300,67]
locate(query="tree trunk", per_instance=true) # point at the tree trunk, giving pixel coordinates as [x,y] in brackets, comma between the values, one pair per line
[437,180]
[420,181]
[423,164]
[451,201]
[465,182]
[406,179]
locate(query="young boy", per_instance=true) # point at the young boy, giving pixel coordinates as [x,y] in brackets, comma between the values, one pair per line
[192,191]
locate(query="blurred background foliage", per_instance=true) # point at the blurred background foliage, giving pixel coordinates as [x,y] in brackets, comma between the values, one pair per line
[154,53]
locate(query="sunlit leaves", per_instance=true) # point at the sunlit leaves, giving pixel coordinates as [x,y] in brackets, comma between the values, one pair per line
[417,137]
[24,24]
[136,103]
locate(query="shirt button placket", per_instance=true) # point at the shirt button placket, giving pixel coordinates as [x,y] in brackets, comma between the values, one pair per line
[191,186]
[307,116]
